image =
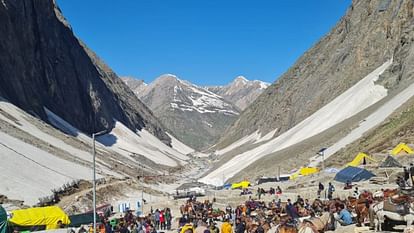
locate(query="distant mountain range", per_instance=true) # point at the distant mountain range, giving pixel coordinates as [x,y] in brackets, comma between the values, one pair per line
[196,115]
[241,92]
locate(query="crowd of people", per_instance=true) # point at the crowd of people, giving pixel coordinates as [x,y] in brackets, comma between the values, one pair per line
[252,216]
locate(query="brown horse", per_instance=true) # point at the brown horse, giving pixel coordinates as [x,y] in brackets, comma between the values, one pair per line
[283,226]
[286,229]
[361,208]
[390,193]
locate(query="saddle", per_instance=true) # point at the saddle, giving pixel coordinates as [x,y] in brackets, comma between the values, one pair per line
[400,199]
[401,208]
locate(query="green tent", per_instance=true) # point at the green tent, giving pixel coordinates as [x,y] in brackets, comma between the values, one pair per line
[82,219]
[3,220]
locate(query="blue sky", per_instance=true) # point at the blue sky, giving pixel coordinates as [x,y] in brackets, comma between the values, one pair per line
[208,42]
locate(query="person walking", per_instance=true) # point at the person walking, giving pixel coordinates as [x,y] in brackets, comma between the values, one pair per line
[331,190]
[157,219]
[162,220]
[168,218]
[412,174]
[320,189]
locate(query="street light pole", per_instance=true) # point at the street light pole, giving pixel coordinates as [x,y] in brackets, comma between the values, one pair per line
[94,176]
[322,154]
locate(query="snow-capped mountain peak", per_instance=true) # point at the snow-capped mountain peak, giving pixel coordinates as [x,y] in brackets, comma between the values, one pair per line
[194,114]
[241,91]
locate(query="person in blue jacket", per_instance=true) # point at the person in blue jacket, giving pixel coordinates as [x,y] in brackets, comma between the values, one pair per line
[344,216]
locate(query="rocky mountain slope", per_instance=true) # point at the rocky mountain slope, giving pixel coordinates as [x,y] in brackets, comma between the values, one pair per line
[241,92]
[368,52]
[43,65]
[193,114]
[54,93]
[361,41]
[136,85]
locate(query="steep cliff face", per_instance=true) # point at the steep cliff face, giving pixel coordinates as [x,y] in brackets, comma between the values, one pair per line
[43,65]
[369,34]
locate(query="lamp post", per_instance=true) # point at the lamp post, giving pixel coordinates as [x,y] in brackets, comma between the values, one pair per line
[94,176]
[321,152]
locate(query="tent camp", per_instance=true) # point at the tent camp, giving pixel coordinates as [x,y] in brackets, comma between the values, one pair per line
[38,218]
[3,220]
[402,148]
[353,174]
[361,158]
[304,171]
[241,185]
[390,162]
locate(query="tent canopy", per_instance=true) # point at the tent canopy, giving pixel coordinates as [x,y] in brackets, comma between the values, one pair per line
[402,148]
[82,219]
[39,216]
[353,174]
[242,185]
[390,162]
[267,180]
[304,171]
[360,158]
[3,220]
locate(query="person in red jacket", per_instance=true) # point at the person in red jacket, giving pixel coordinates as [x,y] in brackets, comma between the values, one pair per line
[162,220]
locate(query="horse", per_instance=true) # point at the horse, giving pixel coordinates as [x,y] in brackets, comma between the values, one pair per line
[382,215]
[361,207]
[315,224]
[390,192]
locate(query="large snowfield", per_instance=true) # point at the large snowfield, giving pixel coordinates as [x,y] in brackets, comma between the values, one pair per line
[36,172]
[357,98]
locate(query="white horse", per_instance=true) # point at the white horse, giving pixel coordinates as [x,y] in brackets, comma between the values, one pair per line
[383,214]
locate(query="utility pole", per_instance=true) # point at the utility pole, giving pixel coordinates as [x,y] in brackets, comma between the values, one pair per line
[94,176]
[322,154]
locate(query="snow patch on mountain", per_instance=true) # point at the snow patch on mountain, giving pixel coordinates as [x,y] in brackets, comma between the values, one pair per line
[240,92]
[30,173]
[200,99]
[357,98]
[141,143]
[369,123]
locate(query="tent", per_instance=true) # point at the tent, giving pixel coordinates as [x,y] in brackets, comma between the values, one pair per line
[402,148]
[353,174]
[82,219]
[390,162]
[304,171]
[361,158]
[241,185]
[263,180]
[38,218]
[331,170]
[3,220]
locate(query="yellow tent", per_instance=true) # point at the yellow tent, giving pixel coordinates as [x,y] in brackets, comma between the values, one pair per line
[39,216]
[242,185]
[360,159]
[402,147]
[304,171]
